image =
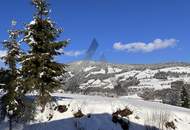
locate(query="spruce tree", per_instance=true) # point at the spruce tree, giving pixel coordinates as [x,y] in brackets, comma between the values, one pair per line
[11,101]
[184,98]
[38,66]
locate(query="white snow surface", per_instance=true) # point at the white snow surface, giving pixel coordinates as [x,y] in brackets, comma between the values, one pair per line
[101,109]
[32,22]
[89,68]
[113,70]
[102,71]
[146,77]
[177,69]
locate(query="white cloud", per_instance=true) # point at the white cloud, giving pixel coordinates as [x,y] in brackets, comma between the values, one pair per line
[2,53]
[157,44]
[74,53]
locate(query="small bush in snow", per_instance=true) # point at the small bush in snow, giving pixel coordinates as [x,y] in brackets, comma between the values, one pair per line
[78,114]
[123,113]
[137,117]
[170,125]
[61,108]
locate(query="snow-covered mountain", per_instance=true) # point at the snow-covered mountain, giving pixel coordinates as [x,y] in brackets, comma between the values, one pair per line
[91,77]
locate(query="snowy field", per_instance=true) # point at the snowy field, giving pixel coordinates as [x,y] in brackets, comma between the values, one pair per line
[100,110]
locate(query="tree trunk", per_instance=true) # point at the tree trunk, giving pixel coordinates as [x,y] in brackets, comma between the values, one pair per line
[10,123]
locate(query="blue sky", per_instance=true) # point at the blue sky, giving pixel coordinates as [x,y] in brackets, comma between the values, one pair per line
[128,31]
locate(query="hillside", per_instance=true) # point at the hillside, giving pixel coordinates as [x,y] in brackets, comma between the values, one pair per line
[89,77]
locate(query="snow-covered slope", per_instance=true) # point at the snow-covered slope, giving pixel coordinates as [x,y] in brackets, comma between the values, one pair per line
[98,112]
[90,74]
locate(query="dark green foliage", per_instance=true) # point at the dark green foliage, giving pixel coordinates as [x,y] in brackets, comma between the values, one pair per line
[184,98]
[38,66]
[177,95]
[119,89]
[148,94]
[4,77]
[161,75]
[11,102]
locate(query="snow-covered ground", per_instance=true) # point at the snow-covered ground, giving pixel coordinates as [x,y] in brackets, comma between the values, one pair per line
[101,109]
[177,69]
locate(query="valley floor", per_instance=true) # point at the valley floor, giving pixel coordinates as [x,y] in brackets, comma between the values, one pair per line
[98,114]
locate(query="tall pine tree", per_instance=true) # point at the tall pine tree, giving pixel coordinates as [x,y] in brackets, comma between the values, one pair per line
[11,101]
[38,66]
[184,98]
